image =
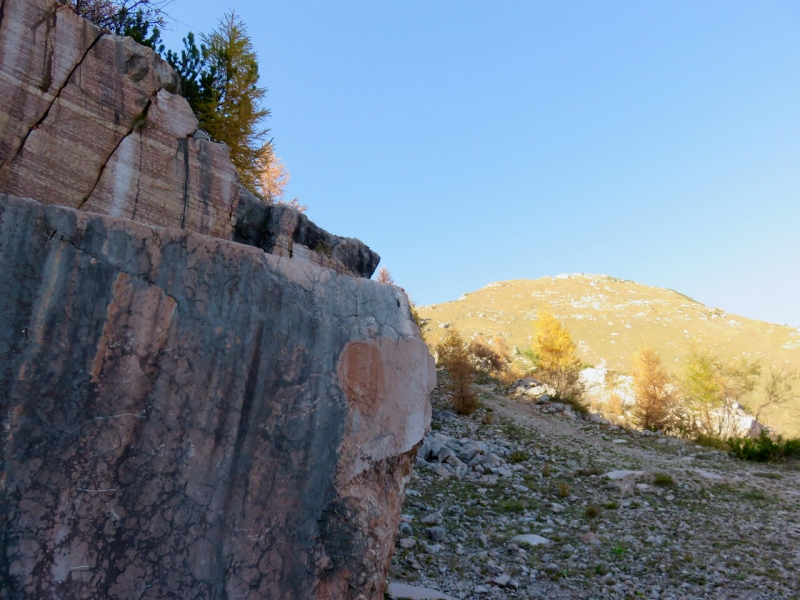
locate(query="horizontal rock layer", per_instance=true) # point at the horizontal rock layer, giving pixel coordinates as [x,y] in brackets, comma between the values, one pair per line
[91,121]
[184,416]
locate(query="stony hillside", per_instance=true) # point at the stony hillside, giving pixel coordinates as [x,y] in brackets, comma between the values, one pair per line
[514,502]
[610,318]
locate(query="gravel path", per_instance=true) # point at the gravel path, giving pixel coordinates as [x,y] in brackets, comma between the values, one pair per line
[620,514]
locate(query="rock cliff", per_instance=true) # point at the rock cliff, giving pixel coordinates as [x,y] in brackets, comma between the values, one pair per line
[200,396]
[91,121]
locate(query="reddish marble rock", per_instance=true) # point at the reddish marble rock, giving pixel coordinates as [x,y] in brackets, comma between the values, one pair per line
[185,416]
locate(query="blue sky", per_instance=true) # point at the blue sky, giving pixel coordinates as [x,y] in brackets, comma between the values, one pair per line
[469,142]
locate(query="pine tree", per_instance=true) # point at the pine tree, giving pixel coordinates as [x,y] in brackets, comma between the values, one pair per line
[230,106]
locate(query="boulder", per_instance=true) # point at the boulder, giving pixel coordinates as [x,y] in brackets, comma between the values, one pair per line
[283,231]
[185,416]
[412,592]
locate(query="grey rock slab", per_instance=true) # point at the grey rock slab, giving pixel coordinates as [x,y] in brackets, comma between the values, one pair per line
[502,580]
[709,475]
[437,534]
[188,393]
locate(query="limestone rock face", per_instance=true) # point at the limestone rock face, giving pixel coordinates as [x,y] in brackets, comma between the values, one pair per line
[185,416]
[91,121]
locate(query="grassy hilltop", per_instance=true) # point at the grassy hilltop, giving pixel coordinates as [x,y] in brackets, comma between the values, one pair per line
[610,318]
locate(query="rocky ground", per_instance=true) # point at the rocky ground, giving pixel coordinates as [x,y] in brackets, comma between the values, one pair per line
[524,500]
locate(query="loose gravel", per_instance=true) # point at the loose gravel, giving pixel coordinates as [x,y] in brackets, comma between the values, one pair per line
[523,501]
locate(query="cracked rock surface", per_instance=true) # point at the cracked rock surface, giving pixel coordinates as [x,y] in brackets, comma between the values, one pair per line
[543,505]
[184,416]
[92,121]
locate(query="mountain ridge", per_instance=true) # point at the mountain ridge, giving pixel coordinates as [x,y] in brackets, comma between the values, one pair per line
[610,318]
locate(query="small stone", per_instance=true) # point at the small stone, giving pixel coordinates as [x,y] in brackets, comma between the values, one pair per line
[431,548]
[407,543]
[413,592]
[502,580]
[442,471]
[531,539]
[436,534]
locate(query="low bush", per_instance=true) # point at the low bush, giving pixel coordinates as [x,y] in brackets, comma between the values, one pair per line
[663,479]
[517,457]
[563,490]
[764,448]
[511,506]
[711,441]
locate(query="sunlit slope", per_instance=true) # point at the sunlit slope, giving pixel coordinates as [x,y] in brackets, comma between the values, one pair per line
[610,318]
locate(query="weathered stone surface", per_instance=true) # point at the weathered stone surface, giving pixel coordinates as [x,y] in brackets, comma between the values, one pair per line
[90,120]
[104,99]
[159,174]
[184,416]
[283,231]
[413,592]
[40,47]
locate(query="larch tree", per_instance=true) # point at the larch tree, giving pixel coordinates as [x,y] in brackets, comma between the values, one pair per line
[453,354]
[713,386]
[653,389]
[273,177]
[554,358]
[384,276]
[778,390]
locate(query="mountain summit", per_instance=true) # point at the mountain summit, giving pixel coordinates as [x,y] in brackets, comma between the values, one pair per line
[610,318]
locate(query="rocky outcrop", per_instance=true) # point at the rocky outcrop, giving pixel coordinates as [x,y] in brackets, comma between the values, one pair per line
[200,396]
[283,231]
[91,121]
[184,416]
